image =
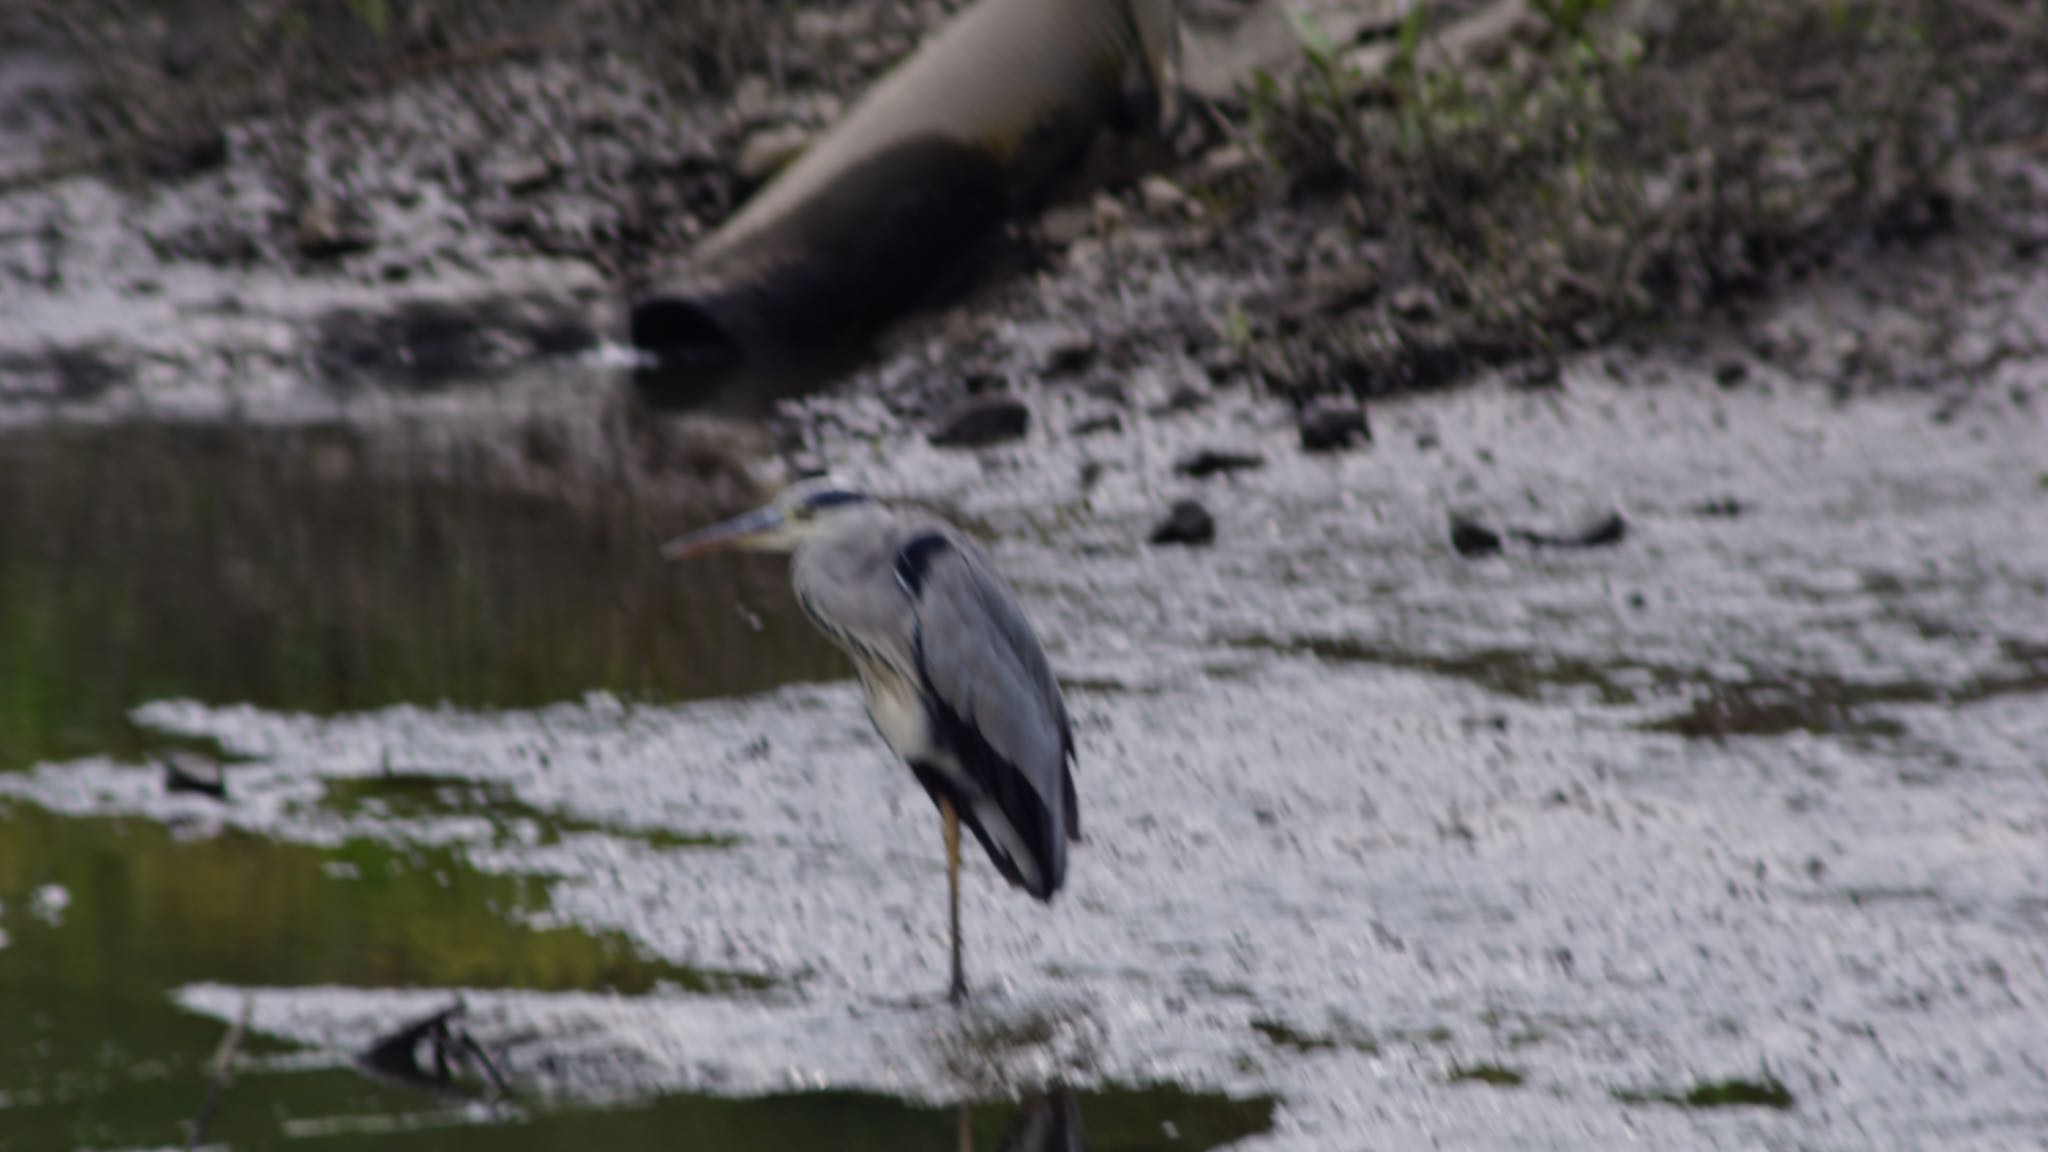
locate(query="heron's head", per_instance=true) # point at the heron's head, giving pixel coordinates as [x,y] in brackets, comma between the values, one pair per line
[776,527]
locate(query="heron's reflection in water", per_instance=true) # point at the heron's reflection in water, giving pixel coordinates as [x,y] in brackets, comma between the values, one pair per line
[1048,1123]
[437,1054]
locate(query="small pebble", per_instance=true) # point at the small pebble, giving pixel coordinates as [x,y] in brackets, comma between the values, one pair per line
[979,421]
[1161,196]
[185,772]
[1329,423]
[1211,461]
[1187,523]
[1472,539]
[768,151]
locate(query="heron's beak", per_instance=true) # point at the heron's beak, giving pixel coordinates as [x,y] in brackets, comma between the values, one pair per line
[756,528]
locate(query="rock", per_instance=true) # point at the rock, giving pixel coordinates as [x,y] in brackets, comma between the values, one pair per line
[327,230]
[1472,539]
[1186,398]
[980,421]
[1210,461]
[1186,523]
[1329,423]
[1070,355]
[187,772]
[1107,422]
[1109,211]
[187,156]
[1540,373]
[525,175]
[1227,162]
[1066,224]
[1730,373]
[768,150]
[1414,303]
[753,98]
[1603,531]
[1161,196]
[1722,508]
[1340,289]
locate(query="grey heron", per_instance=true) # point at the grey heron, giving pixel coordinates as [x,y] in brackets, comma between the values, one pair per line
[955,679]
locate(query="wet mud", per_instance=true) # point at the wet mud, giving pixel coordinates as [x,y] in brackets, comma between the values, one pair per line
[1727,831]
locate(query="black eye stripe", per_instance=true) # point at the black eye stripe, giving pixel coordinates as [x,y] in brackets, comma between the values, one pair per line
[832,498]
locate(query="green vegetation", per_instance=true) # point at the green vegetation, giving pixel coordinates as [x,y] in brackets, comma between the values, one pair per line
[1600,171]
[1493,1074]
[1764,1093]
[411,796]
[241,909]
[1283,1036]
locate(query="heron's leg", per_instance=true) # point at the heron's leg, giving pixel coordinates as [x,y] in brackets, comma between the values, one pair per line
[952,818]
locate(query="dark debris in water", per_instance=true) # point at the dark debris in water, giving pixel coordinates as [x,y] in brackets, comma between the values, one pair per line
[431,1052]
[186,772]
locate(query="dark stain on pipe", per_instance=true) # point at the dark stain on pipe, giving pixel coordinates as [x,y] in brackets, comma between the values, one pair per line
[860,229]
[827,274]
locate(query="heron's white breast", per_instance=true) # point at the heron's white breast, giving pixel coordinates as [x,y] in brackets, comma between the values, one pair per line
[899,715]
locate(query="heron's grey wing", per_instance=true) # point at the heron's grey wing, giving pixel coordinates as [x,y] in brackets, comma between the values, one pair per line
[994,699]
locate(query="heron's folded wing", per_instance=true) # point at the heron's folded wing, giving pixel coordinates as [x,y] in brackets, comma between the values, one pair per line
[996,696]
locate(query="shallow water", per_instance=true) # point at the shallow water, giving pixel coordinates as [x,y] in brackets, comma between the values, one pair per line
[1729,834]
[295,569]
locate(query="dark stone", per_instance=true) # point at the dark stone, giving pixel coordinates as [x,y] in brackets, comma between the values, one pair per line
[84,374]
[1186,398]
[1473,539]
[1730,373]
[980,421]
[178,159]
[187,773]
[1414,303]
[327,230]
[1543,372]
[1186,523]
[1209,462]
[1070,357]
[1330,423]
[1724,508]
[1107,422]
[1604,531]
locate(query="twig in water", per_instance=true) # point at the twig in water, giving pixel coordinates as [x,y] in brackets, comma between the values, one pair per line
[218,1074]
